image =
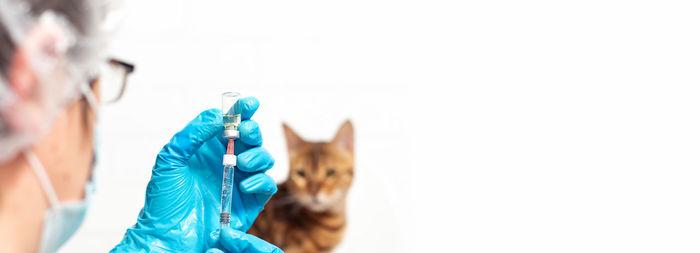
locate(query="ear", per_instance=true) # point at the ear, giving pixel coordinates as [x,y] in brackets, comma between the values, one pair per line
[293,140]
[344,139]
[45,43]
[26,111]
[20,76]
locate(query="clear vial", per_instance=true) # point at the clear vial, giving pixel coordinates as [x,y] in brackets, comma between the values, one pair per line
[231,111]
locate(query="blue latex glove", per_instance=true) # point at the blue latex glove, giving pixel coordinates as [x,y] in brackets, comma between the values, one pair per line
[229,240]
[183,196]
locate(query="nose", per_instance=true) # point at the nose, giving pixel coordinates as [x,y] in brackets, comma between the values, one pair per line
[315,188]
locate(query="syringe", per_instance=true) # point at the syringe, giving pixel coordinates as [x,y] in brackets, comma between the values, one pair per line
[232,119]
[227,185]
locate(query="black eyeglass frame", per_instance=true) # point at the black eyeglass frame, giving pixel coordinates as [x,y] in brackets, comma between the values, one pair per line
[129,67]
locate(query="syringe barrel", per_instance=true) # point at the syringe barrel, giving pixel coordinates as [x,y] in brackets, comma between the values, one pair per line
[226,194]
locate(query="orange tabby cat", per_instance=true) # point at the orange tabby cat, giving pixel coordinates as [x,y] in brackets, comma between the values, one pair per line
[308,212]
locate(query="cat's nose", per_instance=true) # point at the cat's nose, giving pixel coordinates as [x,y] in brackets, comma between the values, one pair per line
[315,189]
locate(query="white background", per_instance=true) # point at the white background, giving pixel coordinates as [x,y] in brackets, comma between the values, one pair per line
[481,126]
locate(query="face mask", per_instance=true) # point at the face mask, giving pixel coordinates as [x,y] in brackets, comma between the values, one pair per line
[62,220]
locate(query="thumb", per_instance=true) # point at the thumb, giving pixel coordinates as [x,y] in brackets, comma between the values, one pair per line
[237,241]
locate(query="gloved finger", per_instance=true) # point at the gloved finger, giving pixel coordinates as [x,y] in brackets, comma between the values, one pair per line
[248,107]
[213,240]
[250,133]
[254,160]
[259,183]
[262,185]
[237,241]
[184,144]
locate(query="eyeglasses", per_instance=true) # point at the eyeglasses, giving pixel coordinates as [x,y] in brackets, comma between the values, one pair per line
[112,78]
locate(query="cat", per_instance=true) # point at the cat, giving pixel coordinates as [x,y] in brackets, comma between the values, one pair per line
[307,214]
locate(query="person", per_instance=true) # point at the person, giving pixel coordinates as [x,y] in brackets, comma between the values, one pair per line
[54,76]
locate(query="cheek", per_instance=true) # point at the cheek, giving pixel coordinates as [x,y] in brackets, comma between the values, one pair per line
[96,90]
[330,186]
[68,152]
[300,192]
[298,186]
[298,182]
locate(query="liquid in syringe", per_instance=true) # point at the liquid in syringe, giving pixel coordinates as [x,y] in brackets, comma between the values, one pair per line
[227,185]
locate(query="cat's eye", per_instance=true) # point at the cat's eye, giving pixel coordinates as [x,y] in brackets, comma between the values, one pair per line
[301,173]
[330,172]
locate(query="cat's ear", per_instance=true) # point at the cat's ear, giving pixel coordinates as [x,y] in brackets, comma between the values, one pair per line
[293,140]
[344,139]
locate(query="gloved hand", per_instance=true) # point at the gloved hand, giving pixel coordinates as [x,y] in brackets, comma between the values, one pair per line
[236,241]
[183,196]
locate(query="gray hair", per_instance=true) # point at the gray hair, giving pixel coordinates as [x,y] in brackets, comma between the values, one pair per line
[85,19]
[75,11]
[7,48]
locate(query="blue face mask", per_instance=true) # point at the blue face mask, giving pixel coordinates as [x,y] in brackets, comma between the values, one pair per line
[63,219]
